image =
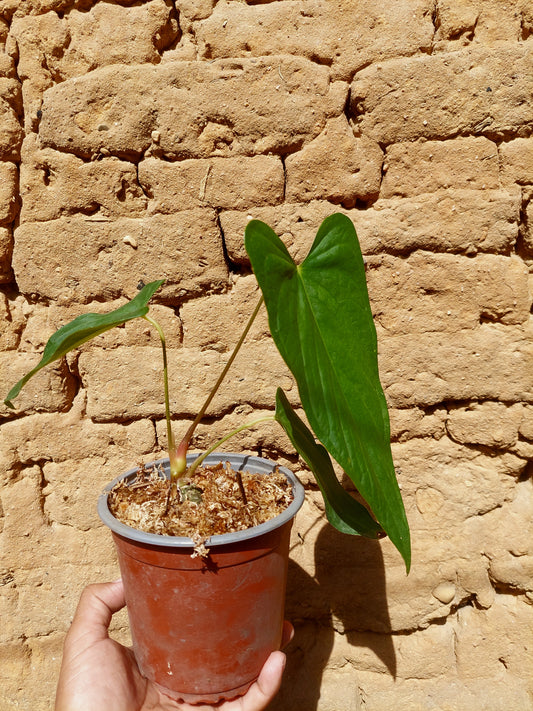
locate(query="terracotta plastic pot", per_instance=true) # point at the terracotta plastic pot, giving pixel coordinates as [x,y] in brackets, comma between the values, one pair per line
[203,628]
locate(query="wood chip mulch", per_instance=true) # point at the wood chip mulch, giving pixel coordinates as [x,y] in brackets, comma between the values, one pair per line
[227,504]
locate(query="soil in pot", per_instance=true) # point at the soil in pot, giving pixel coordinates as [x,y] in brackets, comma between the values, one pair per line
[216,500]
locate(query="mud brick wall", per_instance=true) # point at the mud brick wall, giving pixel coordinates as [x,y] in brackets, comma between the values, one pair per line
[137,138]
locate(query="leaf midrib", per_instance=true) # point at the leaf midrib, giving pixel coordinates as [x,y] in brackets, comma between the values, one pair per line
[334,370]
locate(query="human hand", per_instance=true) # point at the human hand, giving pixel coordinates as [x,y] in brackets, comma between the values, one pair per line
[99,673]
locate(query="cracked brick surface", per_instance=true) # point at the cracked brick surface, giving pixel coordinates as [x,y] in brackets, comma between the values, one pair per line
[136,141]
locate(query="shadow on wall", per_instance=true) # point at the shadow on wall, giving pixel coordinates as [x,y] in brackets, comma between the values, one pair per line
[349,594]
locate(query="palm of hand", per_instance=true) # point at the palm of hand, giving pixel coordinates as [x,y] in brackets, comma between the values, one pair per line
[99,673]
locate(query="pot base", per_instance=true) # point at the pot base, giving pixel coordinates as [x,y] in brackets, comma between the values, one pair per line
[212,699]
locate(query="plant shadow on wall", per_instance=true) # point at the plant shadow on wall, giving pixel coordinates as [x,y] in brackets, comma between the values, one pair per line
[348,593]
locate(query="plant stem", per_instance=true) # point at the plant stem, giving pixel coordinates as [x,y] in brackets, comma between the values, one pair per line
[184,444]
[200,459]
[174,468]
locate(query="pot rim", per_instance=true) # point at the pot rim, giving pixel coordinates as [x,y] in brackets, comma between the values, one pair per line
[240,462]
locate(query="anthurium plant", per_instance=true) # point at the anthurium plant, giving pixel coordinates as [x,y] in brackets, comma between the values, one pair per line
[321,322]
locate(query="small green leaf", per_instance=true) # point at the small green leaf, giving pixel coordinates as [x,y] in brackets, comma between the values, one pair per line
[189,492]
[320,319]
[342,511]
[84,328]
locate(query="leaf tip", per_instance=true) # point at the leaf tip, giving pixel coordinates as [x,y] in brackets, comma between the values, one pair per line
[12,394]
[406,555]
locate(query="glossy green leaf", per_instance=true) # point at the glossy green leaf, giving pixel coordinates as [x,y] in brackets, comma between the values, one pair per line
[320,319]
[342,511]
[85,327]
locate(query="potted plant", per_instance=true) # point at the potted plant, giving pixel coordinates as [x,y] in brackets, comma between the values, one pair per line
[216,605]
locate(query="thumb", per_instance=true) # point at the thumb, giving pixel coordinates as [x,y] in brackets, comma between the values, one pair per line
[261,693]
[97,605]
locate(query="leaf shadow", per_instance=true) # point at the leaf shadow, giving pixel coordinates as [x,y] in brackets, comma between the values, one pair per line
[348,593]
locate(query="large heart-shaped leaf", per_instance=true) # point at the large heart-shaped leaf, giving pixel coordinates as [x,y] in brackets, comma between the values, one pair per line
[342,511]
[320,318]
[85,327]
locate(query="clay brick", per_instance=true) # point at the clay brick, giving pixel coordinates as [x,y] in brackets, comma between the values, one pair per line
[526,18]
[336,166]
[8,608]
[72,488]
[27,529]
[511,556]
[4,31]
[196,9]
[55,592]
[46,654]
[139,35]
[313,593]
[47,35]
[7,64]
[228,183]
[445,292]
[15,657]
[8,192]
[427,166]
[522,449]
[34,39]
[216,322]
[10,128]
[528,226]
[385,693]
[19,8]
[439,366]
[478,21]
[195,109]
[415,657]
[342,34]
[51,390]
[65,437]
[450,92]
[413,422]
[478,657]
[491,424]
[469,221]
[23,520]
[12,320]
[517,161]
[80,259]
[52,49]
[53,184]
[129,383]
[526,426]
[6,251]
